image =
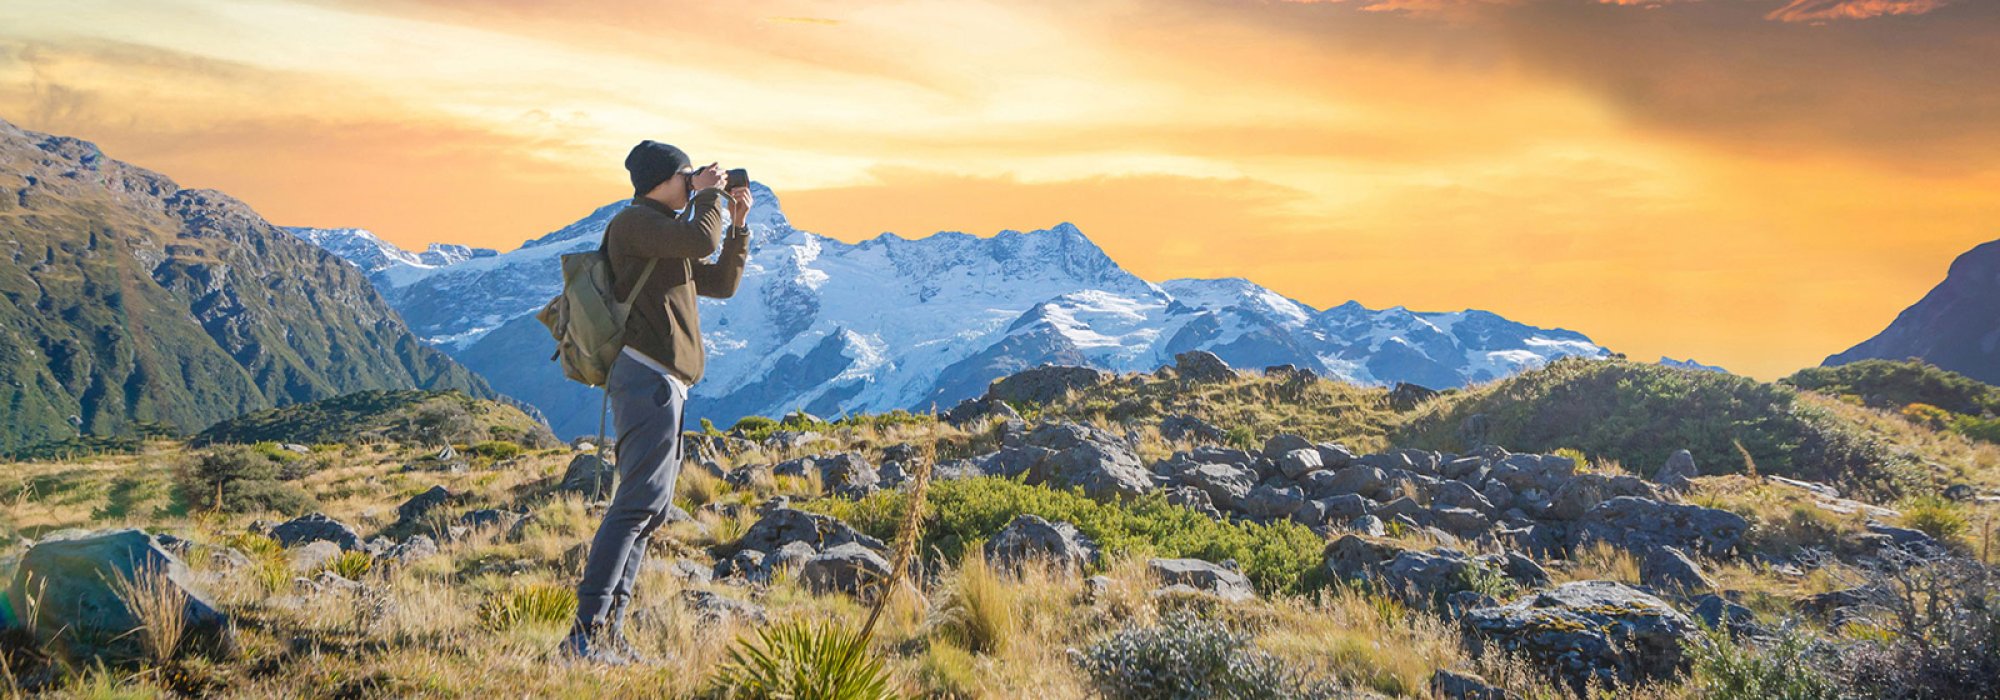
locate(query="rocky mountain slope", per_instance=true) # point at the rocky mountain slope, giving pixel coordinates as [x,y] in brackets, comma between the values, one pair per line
[130,299]
[1956,326]
[891,322]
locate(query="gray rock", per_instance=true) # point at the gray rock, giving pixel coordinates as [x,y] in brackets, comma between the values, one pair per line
[1498,495]
[1334,456]
[316,527]
[1186,427]
[1202,366]
[421,505]
[1587,631]
[1458,494]
[71,579]
[1358,479]
[313,556]
[1670,569]
[1013,461]
[713,607]
[1045,384]
[979,409]
[414,549]
[1297,463]
[1451,685]
[1638,523]
[1193,499]
[1279,445]
[1226,484]
[1271,502]
[1355,558]
[1369,525]
[1205,577]
[493,518]
[1462,522]
[1584,491]
[588,475]
[1674,475]
[1032,538]
[1718,613]
[848,568]
[781,526]
[790,557]
[1915,542]
[1347,506]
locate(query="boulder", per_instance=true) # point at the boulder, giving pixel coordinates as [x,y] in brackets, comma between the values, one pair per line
[1458,494]
[491,518]
[1674,475]
[1202,366]
[843,473]
[1406,396]
[1718,612]
[1032,538]
[1638,523]
[1369,525]
[316,527]
[73,581]
[1193,499]
[1268,501]
[1358,479]
[1012,461]
[848,568]
[313,556]
[1278,445]
[1347,507]
[782,526]
[417,548]
[1584,491]
[1463,522]
[1354,557]
[1297,463]
[1586,631]
[979,409]
[421,505]
[588,475]
[1200,576]
[1333,456]
[1671,570]
[1087,458]
[1186,427]
[1451,685]
[713,607]
[790,557]
[1045,384]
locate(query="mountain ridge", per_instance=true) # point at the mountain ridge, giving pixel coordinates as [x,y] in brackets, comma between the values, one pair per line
[1955,326]
[132,300]
[807,328]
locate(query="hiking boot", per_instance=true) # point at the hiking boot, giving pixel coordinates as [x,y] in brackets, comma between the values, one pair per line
[614,631]
[588,642]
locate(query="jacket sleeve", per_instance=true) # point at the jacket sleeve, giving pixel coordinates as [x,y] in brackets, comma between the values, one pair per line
[661,237]
[718,279]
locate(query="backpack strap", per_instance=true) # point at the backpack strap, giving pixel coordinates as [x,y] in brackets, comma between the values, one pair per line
[641,284]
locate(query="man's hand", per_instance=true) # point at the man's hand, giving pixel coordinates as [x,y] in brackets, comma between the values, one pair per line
[708,176]
[739,205]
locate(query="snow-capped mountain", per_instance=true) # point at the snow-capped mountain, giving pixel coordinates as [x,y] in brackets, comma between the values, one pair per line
[386,265]
[892,322]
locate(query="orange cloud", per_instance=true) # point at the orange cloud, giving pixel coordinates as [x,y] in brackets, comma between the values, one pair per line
[1822,10]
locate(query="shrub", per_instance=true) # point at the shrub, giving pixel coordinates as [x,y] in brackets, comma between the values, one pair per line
[1977,428]
[803,659]
[1892,383]
[754,427]
[532,604]
[444,420]
[1786,669]
[1943,619]
[1186,656]
[1936,516]
[1927,416]
[1280,556]
[496,450]
[238,479]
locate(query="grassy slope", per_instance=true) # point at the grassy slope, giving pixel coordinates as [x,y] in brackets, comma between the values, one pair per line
[427,637]
[375,416]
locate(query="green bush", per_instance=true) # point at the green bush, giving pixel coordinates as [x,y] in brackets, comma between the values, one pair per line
[1898,383]
[238,479]
[1935,516]
[496,450]
[803,659]
[1281,556]
[1785,669]
[1186,656]
[1977,428]
[754,427]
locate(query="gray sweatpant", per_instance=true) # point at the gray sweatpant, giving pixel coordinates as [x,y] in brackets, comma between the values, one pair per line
[646,410]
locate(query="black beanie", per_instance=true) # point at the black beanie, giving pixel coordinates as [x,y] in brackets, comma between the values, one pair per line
[651,163]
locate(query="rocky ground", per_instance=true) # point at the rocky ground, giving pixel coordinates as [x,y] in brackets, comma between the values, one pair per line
[1083,534]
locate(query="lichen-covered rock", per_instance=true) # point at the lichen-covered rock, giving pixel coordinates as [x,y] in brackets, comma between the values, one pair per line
[73,583]
[1638,524]
[1585,631]
[848,568]
[1200,576]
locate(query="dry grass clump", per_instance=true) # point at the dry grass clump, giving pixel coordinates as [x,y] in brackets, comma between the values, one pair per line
[159,606]
[1599,561]
[979,610]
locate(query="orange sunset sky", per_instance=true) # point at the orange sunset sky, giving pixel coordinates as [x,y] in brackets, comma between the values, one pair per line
[1751,183]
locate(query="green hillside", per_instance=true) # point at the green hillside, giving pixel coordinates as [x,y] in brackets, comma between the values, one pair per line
[408,415]
[128,300]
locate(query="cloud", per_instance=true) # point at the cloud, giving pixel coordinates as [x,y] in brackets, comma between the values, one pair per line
[1823,10]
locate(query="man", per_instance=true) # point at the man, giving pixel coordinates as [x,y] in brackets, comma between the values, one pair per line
[663,357]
